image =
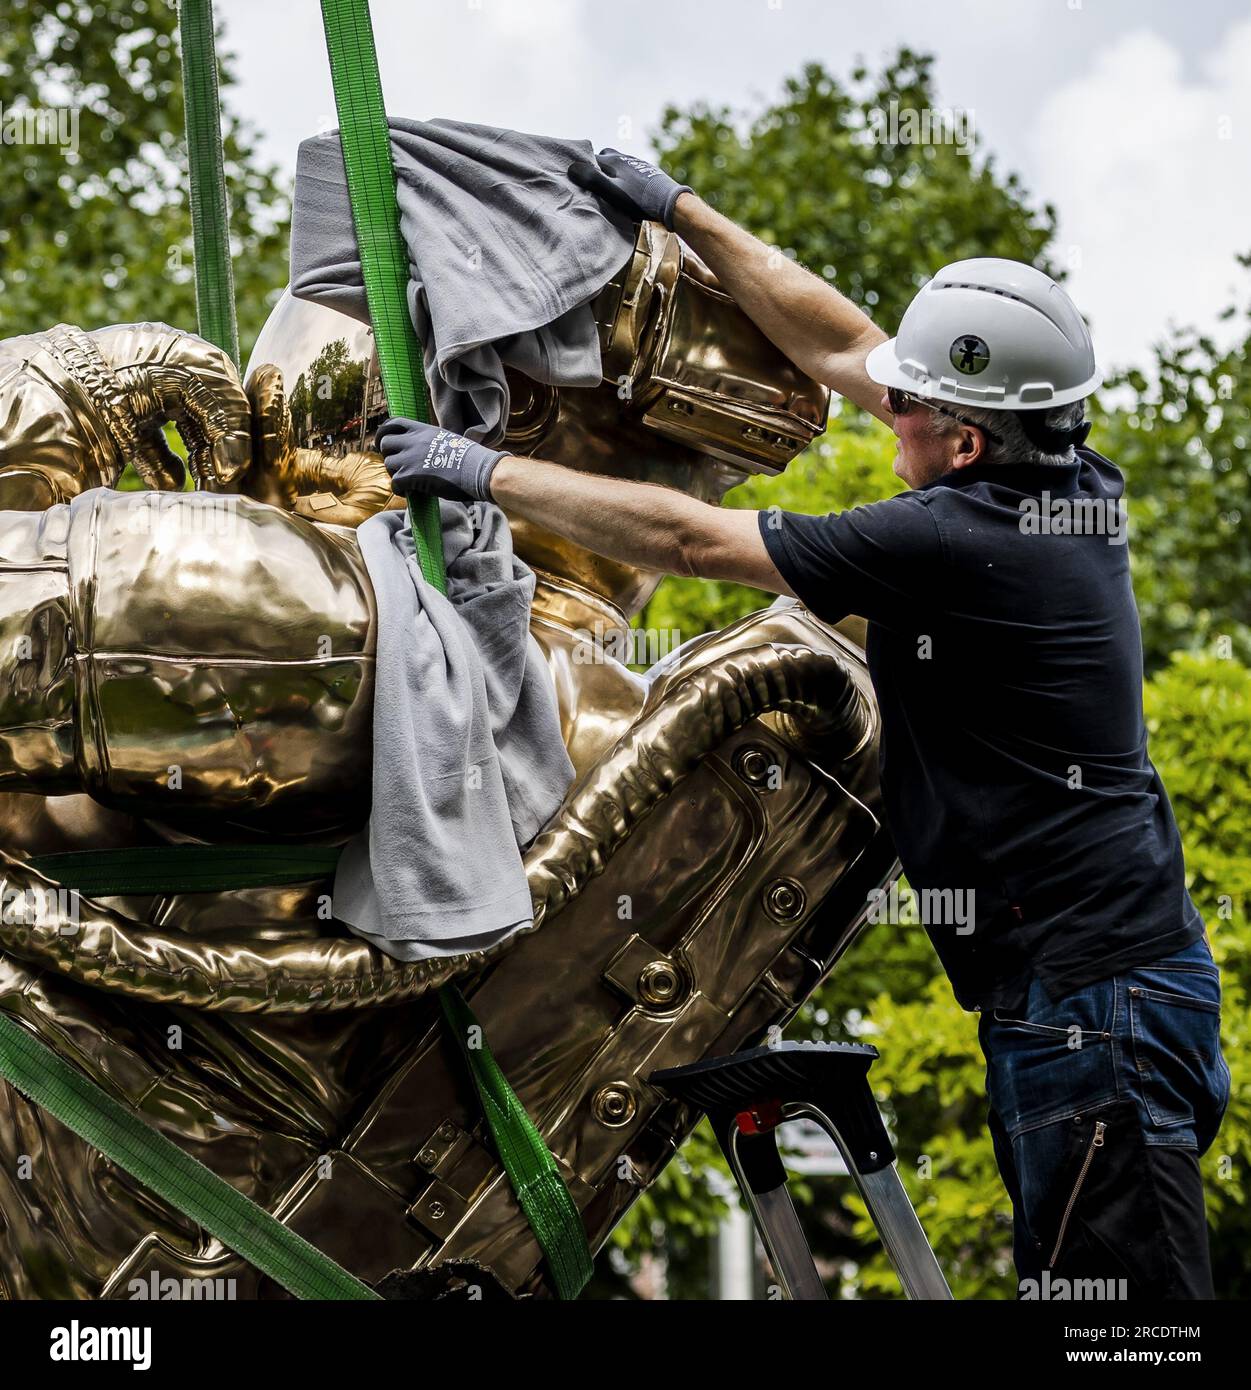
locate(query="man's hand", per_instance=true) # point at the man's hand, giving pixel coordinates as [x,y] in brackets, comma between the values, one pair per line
[424,458]
[633,186]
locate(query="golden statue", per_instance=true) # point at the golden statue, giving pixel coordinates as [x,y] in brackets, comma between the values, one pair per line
[710,863]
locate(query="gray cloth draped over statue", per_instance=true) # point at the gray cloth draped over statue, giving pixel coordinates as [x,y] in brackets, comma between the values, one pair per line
[505,256]
[468,760]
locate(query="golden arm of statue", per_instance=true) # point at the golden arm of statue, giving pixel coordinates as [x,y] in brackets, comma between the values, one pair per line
[76,407]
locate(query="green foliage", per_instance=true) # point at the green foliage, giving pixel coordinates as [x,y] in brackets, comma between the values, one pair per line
[1199,719]
[1183,442]
[874,218]
[103,234]
[331,391]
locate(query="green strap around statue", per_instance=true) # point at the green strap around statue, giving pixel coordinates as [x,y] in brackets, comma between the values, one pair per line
[366,142]
[210,212]
[103,873]
[40,1073]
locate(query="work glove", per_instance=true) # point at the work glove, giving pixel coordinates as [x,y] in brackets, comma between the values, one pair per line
[633,186]
[427,459]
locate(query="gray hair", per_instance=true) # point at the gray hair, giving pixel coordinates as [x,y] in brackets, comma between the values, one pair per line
[1017,446]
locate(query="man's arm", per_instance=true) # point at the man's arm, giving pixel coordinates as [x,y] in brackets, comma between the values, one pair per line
[820,330]
[640,524]
[656,528]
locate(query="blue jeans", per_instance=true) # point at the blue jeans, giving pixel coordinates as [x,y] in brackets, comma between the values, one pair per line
[1100,1104]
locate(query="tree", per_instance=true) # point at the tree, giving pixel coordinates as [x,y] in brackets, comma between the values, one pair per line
[817,175]
[1183,443]
[335,390]
[97,228]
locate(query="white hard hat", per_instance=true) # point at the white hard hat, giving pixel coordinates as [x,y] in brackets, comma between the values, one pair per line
[991,333]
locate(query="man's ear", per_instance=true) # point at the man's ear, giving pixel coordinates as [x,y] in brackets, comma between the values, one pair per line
[970,447]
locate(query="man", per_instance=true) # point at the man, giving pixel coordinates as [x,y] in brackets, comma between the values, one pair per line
[1005,651]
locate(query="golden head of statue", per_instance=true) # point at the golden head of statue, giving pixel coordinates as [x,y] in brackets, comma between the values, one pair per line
[693,397]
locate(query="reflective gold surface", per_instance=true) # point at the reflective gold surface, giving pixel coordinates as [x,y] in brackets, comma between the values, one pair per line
[200,658]
[694,397]
[671,851]
[76,407]
[706,869]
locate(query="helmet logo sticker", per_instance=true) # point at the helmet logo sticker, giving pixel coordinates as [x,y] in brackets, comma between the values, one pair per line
[969,354]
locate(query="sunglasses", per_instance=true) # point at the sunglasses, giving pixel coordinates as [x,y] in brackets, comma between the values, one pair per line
[902,403]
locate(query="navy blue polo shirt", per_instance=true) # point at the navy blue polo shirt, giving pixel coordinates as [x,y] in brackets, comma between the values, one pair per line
[1005,650]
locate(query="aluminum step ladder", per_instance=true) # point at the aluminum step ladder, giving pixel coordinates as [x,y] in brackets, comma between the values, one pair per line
[749,1094]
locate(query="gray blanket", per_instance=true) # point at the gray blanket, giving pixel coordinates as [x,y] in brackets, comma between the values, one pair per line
[468,760]
[505,255]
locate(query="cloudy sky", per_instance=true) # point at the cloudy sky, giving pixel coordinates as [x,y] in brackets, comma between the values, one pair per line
[1132,116]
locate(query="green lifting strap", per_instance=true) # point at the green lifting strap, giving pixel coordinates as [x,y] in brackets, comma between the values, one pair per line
[34,1069]
[366,143]
[540,1190]
[210,212]
[101,873]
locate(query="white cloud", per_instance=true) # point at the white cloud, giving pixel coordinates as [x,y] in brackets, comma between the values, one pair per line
[1148,166]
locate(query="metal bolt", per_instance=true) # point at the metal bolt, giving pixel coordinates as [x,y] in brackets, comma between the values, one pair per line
[428,1157]
[613,1105]
[752,765]
[659,983]
[437,1211]
[784,900]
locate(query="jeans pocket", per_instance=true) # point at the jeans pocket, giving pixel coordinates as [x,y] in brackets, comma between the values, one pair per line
[1176,1037]
[1053,1063]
